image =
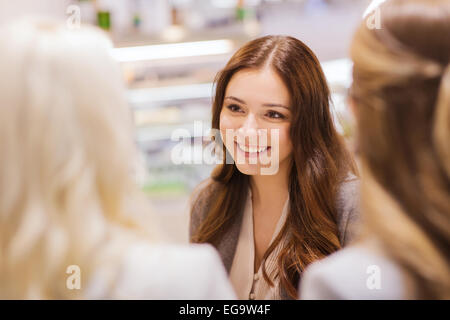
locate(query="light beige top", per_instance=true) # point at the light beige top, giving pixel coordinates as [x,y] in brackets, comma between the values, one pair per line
[246,283]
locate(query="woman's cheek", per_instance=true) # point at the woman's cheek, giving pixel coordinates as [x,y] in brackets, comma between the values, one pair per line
[285,145]
[226,123]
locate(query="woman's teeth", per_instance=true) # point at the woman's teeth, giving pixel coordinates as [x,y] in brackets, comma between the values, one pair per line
[252,149]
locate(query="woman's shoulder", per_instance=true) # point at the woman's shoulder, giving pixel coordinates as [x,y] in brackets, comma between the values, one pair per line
[348,192]
[170,271]
[355,272]
[348,208]
[199,201]
[201,190]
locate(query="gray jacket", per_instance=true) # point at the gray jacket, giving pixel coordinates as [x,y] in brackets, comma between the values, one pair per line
[347,205]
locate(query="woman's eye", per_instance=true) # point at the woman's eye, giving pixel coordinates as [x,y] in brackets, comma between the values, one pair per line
[275,115]
[234,108]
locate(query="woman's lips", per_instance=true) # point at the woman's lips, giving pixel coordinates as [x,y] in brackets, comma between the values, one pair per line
[251,151]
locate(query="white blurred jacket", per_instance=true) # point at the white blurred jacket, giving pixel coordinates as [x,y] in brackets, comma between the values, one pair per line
[353,273]
[161,272]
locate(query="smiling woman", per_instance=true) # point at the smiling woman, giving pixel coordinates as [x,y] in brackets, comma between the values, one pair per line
[272,100]
[255,106]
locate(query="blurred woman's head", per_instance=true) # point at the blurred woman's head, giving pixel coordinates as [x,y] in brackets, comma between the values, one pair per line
[401,93]
[66,154]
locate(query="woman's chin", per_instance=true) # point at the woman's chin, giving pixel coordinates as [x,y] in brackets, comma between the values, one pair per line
[250,169]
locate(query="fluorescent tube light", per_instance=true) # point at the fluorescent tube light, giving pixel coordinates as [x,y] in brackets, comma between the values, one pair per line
[172,50]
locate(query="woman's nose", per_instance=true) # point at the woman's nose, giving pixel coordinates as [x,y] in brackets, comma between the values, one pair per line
[249,133]
[250,126]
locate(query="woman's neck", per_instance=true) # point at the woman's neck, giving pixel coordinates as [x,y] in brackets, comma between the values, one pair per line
[270,189]
[269,194]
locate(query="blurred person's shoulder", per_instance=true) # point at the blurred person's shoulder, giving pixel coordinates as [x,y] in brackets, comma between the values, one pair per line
[356,272]
[171,271]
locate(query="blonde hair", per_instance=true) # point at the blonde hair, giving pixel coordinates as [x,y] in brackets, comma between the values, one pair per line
[67,158]
[402,92]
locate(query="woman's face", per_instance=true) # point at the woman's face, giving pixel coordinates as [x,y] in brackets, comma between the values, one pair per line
[255,121]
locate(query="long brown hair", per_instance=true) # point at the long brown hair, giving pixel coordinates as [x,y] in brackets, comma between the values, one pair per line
[402,93]
[320,160]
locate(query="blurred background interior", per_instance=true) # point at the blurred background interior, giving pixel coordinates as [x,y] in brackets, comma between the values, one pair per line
[170,51]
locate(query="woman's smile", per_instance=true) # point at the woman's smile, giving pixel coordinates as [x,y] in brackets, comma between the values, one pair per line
[251,151]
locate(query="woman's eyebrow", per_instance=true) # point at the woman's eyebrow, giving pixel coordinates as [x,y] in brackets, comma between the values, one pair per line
[236,99]
[269,105]
[272,105]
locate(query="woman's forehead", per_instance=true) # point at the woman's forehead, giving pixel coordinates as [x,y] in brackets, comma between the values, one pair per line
[258,86]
